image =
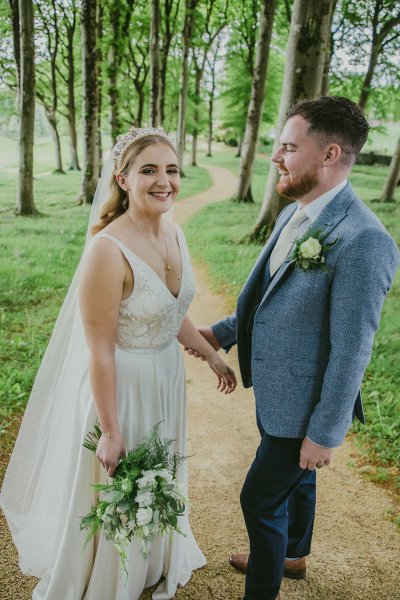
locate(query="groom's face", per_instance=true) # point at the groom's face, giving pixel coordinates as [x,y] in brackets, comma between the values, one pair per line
[298,158]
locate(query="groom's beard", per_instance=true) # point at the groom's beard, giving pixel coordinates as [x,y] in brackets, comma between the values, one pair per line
[297,188]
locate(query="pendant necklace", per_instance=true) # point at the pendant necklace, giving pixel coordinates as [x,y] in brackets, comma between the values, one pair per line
[166,260]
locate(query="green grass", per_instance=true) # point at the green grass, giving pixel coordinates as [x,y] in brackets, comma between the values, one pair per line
[37,260]
[214,233]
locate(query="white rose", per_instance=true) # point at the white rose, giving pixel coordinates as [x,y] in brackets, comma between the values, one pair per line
[310,248]
[131,525]
[164,474]
[144,515]
[147,478]
[144,499]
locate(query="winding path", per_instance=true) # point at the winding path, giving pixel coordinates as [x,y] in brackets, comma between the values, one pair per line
[356,546]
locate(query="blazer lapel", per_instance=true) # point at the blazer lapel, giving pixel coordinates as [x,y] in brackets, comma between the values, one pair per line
[253,278]
[329,218]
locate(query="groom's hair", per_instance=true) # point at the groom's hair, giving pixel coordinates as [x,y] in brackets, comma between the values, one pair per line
[334,119]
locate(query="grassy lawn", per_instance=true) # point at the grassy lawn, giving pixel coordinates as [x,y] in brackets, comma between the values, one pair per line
[37,260]
[213,235]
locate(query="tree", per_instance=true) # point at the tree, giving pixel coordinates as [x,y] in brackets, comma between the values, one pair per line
[168,28]
[306,51]
[47,85]
[155,113]
[190,6]
[254,113]
[212,65]
[67,74]
[392,177]
[214,18]
[89,31]
[25,203]
[385,29]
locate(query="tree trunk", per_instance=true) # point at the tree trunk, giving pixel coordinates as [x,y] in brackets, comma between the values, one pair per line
[239,147]
[71,99]
[308,39]
[366,86]
[190,6]
[328,56]
[16,40]
[100,23]
[90,99]
[51,118]
[393,176]
[155,117]
[254,113]
[169,20]
[25,203]
[114,62]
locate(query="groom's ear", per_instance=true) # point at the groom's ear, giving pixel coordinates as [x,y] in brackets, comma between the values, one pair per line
[332,155]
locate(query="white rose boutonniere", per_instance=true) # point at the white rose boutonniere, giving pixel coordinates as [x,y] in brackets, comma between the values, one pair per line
[310,251]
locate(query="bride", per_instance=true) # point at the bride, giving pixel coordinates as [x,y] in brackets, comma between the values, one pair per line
[113,358]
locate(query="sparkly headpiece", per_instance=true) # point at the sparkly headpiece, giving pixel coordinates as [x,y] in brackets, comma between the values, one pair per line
[127,139]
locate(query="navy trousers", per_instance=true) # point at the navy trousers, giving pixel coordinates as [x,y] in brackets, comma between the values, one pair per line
[276,493]
[301,512]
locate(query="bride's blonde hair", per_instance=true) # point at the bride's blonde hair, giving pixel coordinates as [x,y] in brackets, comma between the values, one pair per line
[118,201]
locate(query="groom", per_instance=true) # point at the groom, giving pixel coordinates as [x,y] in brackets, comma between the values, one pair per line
[304,325]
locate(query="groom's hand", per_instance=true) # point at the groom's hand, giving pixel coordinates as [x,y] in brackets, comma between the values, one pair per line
[312,455]
[208,335]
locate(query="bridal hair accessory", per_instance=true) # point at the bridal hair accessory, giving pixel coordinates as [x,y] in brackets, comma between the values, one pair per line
[127,139]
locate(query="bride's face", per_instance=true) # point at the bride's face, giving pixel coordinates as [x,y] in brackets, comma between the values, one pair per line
[153,181]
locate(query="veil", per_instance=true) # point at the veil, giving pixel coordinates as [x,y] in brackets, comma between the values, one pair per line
[36,489]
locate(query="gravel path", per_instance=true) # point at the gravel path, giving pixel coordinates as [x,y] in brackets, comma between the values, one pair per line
[356,547]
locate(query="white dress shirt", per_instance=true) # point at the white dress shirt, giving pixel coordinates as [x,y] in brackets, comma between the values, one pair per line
[315,208]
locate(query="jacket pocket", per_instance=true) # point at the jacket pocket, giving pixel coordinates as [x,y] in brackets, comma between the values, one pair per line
[306,368]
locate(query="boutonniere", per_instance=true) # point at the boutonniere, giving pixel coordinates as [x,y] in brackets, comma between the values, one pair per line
[310,251]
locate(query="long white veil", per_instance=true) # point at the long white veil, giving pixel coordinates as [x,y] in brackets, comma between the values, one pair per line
[38,480]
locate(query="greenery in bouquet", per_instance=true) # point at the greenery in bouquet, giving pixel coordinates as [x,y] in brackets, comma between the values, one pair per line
[143,500]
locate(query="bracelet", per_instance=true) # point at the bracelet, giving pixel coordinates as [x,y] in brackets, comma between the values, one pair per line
[107,435]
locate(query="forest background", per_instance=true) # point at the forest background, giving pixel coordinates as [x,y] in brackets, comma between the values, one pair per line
[219,75]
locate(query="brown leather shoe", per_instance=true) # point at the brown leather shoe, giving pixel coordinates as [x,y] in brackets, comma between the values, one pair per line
[294,569]
[239,562]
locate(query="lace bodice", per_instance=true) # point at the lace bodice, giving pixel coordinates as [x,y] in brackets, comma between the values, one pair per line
[151,316]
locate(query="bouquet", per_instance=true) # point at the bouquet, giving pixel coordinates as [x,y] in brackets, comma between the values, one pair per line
[144,498]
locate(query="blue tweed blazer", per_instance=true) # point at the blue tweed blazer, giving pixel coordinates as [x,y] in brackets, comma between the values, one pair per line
[304,345]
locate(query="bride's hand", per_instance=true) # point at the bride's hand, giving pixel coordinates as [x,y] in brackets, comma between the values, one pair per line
[225,374]
[109,451]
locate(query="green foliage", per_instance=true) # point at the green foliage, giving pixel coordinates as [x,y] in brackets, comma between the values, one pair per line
[214,235]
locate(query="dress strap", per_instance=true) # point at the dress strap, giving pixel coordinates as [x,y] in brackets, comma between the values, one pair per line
[129,255]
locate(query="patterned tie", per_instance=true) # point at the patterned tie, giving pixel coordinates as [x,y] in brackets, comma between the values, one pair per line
[286,240]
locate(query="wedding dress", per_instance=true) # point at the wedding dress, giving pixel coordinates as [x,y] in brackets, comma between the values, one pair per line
[150,389]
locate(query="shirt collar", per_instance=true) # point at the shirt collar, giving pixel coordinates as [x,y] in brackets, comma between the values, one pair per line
[314,209]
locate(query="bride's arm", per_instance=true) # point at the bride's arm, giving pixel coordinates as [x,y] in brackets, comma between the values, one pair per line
[190,337]
[100,294]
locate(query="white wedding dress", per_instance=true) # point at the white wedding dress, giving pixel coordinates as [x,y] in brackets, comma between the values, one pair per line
[150,390]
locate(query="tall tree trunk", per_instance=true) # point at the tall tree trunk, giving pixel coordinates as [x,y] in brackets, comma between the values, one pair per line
[100,23]
[199,71]
[25,204]
[393,176]
[16,40]
[190,6]
[52,121]
[71,107]
[254,113]
[212,67]
[366,86]
[113,67]
[239,147]
[308,39]
[155,116]
[170,20]
[90,99]
[328,56]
